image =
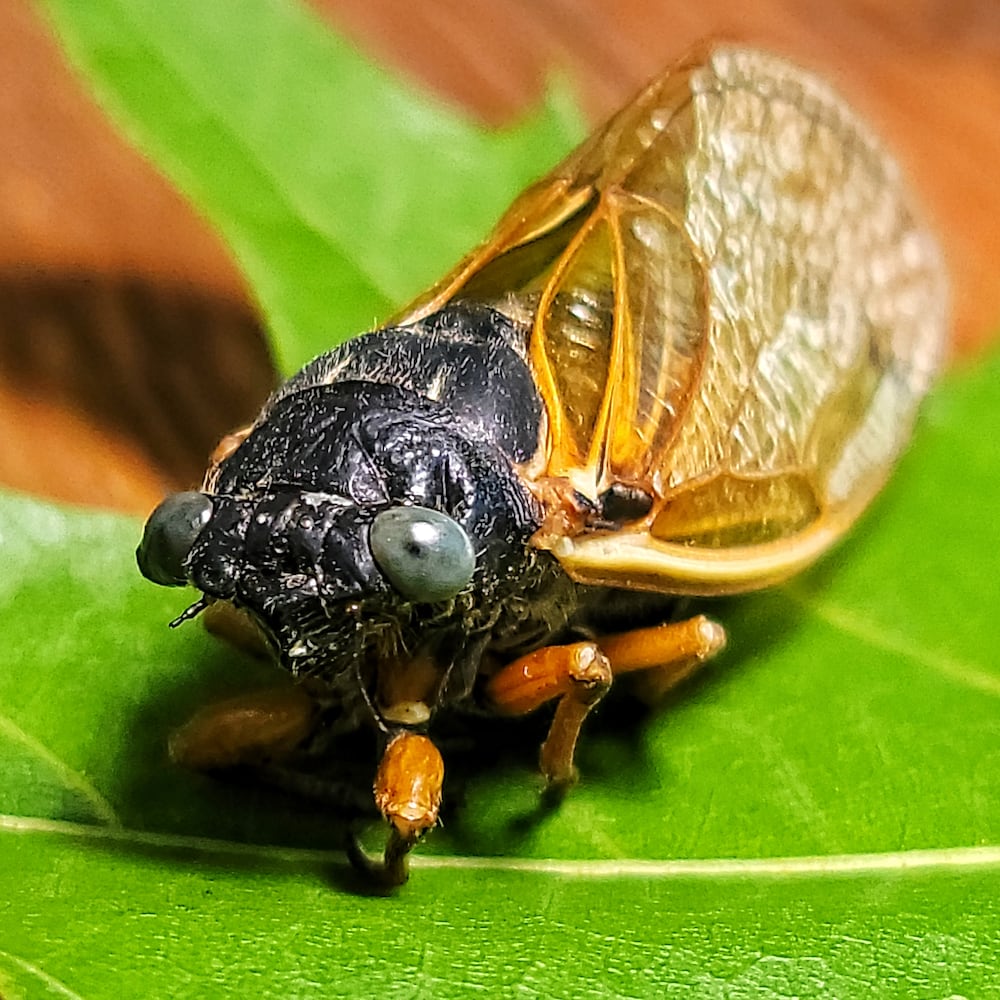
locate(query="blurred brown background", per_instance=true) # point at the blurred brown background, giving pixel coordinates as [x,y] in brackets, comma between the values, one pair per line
[110,285]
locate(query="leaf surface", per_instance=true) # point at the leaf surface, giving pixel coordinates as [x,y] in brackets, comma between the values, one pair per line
[815,816]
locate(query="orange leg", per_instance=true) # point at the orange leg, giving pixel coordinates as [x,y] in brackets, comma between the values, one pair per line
[408,794]
[666,654]
[579,674]
[254,728]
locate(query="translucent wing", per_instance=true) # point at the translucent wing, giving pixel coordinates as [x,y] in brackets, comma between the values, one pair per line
[732,308]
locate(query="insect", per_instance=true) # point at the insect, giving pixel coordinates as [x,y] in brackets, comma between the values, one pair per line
[682,364]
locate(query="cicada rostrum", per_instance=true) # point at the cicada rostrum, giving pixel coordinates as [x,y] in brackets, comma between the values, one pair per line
[682,364]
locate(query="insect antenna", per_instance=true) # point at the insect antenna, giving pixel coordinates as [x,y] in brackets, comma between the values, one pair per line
[191,611]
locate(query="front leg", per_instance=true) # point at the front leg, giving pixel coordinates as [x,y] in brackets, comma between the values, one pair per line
[408,794]
[257,728]
[579,675]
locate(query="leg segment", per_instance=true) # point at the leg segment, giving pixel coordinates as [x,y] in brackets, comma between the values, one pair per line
[666,654]
[254,728]
[408,794]
[235,626]
[579,674]
[408,785]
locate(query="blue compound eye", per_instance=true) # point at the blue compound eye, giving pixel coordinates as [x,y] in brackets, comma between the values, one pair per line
[426,555]
[168,536]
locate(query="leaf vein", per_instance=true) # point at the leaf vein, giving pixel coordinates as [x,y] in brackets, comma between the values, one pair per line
[889,641]
[983,856]
[72,779]
[41,974]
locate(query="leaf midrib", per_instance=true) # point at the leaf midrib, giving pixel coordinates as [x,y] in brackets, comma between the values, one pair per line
[981,856]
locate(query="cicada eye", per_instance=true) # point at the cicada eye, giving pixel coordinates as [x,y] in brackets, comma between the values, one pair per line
[426,555]
[168,536]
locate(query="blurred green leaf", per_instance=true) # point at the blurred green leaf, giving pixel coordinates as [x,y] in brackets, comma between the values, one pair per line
[815,816]
[341,192]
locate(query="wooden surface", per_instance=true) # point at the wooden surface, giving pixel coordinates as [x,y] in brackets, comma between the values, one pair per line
[105,274]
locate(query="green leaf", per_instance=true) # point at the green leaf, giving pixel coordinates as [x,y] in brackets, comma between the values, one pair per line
[341,194]
[167,924]
[815,816]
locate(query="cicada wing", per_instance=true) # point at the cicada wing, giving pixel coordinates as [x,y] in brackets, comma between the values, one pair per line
[609,286]
[733,306]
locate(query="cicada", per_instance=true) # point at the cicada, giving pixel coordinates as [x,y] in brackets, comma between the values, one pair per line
[682,364]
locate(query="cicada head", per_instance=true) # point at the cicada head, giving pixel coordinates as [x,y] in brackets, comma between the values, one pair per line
[358,523]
